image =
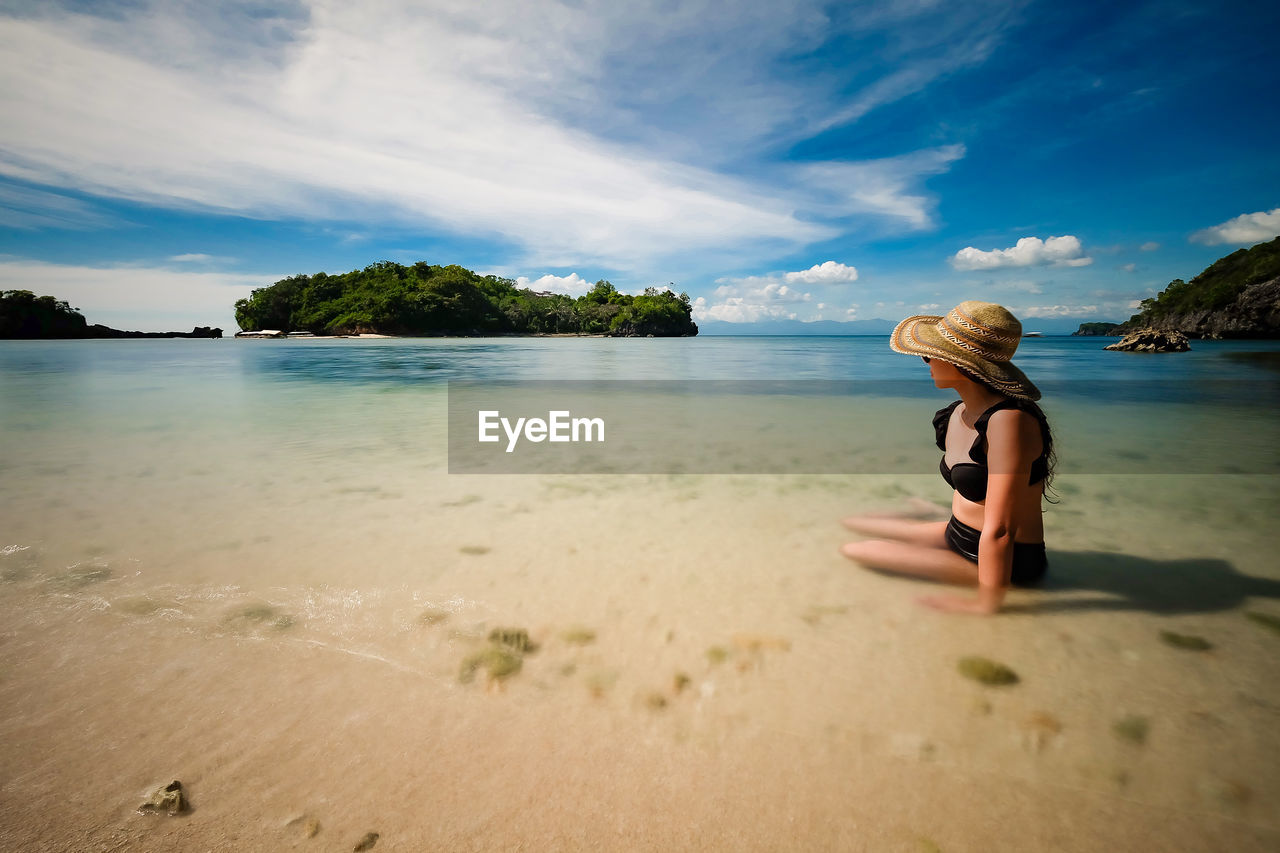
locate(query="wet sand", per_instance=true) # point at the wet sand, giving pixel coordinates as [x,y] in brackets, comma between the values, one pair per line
[709,672]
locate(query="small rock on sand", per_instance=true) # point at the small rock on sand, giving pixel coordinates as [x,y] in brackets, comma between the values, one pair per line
[170,799]
[306,825]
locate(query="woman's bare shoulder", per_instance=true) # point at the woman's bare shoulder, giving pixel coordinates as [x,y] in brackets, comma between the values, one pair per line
[1014,425]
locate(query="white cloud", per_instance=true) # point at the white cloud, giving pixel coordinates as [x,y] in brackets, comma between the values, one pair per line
[782,295]
[1043,311]
[661,288]
[28,208]
[1029,251]
[195,258]
[1018,285]
[581,132]
[770,291]
[737,309]
[1129,267]
[359,121]
[1149,247]
[886,188]
[827,272]
[584,132]
[572,284]
[958,36]
[1113,305]
[752,299]
[148,299]
[1245,229]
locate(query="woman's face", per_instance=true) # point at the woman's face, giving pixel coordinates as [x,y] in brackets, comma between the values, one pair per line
[945,374]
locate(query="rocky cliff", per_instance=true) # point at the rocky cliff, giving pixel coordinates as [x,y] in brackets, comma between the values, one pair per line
[1255,313]
[1237,296]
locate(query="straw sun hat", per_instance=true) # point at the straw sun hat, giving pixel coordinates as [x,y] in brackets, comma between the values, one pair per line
[977,337]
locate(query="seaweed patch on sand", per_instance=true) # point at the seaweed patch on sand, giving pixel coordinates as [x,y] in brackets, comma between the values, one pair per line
[498,662]
[501,658]
[1266,620]
[986,671]
[1190,642]
[258,615]
[1132,728]
[434,616]
[579,636]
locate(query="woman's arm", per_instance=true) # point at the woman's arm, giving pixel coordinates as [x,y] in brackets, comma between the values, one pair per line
[1011,439]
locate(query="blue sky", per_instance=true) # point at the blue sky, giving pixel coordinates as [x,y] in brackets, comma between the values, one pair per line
[773,159]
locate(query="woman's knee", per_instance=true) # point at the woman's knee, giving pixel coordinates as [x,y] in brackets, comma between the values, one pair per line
[855,523]
[887,530]
[867,551]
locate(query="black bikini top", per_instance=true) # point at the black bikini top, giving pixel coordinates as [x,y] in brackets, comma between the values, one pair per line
[970,478]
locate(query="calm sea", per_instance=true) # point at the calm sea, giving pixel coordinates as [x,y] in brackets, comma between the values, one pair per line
[164,452]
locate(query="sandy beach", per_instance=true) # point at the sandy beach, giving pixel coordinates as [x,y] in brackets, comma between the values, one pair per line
[727,683]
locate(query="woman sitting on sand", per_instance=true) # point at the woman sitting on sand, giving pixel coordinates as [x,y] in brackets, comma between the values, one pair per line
[998,457]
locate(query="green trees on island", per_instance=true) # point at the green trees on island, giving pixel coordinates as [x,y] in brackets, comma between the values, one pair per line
[1215,288]
[426,299]
[25,315]
[1102,329]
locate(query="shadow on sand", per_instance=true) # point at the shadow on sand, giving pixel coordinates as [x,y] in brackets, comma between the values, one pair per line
[1123,582]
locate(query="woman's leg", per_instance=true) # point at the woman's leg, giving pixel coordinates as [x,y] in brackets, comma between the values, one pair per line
[941,565]
[931,534]
[918,549]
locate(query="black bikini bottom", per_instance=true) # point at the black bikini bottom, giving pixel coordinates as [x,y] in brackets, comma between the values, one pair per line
[1029,559]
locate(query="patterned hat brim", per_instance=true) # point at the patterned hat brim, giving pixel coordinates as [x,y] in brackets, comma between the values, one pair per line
[919,335]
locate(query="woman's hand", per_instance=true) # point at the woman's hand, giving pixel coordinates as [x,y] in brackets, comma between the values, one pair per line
[982,606]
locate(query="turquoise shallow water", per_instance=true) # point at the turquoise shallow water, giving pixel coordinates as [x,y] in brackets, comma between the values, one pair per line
[169,451]
[66,404]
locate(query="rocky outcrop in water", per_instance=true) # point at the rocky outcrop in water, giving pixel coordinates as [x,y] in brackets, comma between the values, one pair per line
[1152,340]
[97,330]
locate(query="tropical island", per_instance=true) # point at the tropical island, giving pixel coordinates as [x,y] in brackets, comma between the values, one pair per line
[425,299]
[27,316]
[1237,296]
